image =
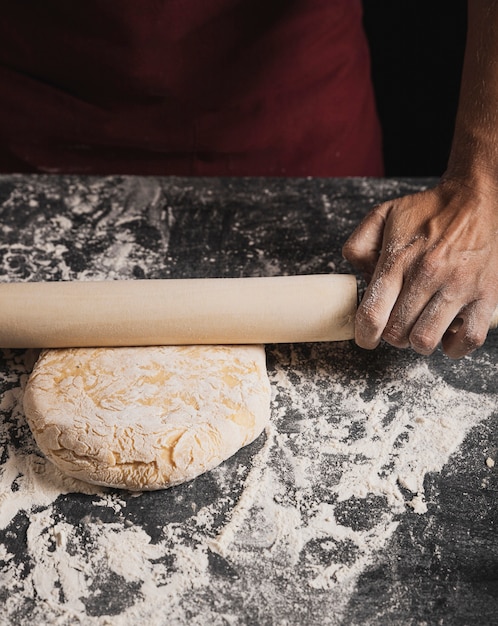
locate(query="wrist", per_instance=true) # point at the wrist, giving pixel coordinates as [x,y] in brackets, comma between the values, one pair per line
[473,164]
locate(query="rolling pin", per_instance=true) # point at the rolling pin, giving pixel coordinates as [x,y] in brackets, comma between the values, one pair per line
[284,309]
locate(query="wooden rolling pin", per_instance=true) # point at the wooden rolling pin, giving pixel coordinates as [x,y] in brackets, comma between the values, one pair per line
[178,311]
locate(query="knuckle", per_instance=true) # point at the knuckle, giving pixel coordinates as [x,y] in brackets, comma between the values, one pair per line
[466,341]
[380,210]
[369,318]
[474,338]
[423,342]
[368,330]
[369,321]
[395,335]
[350,250]
[430,266]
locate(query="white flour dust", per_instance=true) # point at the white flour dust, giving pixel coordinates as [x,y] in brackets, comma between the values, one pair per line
[315,503]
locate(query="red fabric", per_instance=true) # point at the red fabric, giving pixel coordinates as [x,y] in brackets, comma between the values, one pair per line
[188,87]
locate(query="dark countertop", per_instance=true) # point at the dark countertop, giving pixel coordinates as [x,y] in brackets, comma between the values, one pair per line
[368,501]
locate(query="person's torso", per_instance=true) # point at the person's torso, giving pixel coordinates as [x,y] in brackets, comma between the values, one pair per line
[183,86]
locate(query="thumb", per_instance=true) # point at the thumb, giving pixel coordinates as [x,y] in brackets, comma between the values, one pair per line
[363,247]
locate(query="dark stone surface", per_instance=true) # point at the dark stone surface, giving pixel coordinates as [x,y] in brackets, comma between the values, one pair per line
[440,567]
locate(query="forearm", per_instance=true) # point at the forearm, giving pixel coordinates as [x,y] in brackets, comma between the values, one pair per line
[432,257]
[474,153]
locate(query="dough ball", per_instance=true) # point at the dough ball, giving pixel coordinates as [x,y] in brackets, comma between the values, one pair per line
[146,418]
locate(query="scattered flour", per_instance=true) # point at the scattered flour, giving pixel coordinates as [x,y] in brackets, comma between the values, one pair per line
[305,513]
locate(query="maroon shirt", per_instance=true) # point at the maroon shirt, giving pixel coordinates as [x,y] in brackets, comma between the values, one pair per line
[188,87]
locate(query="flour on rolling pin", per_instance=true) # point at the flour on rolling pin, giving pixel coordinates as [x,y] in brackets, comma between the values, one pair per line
[146,417]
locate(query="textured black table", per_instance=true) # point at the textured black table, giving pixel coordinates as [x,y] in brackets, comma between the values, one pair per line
[372,497]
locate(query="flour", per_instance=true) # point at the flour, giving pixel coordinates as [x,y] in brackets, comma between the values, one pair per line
[305,513]
[277,535]
[145,418]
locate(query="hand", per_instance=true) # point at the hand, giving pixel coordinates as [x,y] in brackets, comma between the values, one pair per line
[432,258]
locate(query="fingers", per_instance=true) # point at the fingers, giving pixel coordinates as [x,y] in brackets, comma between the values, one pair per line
[379,300]
[431,259]
[440,316]
[471,332]
[362,249]
[391,304]
[425,307]
[459,330]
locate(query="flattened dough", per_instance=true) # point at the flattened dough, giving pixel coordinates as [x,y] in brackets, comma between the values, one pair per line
[146,418]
